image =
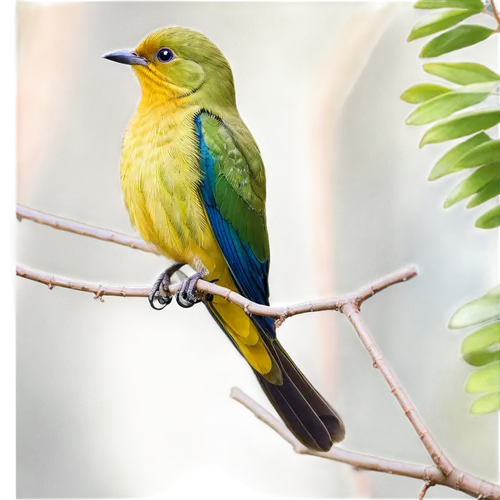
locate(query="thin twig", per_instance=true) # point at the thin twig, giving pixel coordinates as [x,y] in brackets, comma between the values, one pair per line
[61,223]
[427,485]
[437,455]
[84,229]
[98,290]
[431,474]
[231,296]
[444,473]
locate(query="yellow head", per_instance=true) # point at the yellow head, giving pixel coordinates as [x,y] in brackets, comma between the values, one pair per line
[180,62]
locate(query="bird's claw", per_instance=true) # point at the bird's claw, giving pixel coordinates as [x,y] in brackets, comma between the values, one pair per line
[159,293]
[187,295]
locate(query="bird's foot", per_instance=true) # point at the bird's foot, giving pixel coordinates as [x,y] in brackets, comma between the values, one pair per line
[187,295]
[159,294]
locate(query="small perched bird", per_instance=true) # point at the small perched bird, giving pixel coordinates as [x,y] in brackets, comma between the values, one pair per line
[194,185]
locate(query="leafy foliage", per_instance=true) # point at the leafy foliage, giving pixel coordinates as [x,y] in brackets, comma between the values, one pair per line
[439,22]
[482,349]
[448,103]
[461,73]
[447,108]
[441,4]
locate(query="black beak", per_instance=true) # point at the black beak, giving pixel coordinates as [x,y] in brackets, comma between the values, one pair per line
[126,57]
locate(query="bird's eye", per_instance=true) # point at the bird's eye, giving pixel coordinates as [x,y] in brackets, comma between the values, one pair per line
[165,55]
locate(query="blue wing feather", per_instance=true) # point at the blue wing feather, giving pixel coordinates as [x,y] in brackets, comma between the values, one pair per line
[249,274]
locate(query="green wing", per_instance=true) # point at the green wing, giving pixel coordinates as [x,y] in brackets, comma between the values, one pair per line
[233,192]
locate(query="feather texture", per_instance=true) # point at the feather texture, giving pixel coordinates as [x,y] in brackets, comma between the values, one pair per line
[230,213]
[303,409]
[194,185]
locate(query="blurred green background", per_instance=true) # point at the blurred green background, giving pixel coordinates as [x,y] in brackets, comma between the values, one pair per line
[117,400]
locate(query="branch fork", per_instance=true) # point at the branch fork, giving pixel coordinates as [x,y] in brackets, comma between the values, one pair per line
[442,472]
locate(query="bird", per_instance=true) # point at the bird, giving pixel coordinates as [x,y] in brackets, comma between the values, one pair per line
[194,185]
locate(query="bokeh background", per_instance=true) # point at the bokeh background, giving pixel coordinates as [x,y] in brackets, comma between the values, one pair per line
[117,400]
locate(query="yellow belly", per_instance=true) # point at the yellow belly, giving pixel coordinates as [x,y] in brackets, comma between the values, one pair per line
[160,178]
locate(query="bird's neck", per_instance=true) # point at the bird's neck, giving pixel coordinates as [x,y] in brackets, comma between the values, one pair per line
[159,97]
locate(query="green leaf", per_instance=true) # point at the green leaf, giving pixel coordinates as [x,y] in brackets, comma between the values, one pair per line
[485,379]
[490,219]
[446,165]
[463,73]
[482,346]
[439,21]
[488,192]
[457,38]
[480,310]
[486,336]
[474,183]
[481,358]
[485,404]
[423,92]
[441,4]
[480,155]
[461,125]
[446,104]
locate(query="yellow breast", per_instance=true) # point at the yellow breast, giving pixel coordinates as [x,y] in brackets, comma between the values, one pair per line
[160,176]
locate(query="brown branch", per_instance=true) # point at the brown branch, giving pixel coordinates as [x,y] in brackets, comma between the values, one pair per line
[438,457]
[281,313]
[98,290]
[445,473]
[83,229]
[427,485]
[430,474]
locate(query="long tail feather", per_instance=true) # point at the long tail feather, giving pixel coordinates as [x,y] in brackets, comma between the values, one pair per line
[304,411]
[310,418]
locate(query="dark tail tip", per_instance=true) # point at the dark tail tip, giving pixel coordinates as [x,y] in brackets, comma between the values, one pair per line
[335,427]
[297,414]
[304,411]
